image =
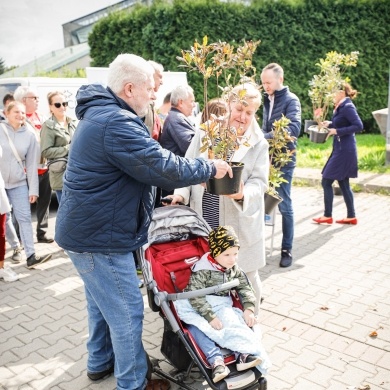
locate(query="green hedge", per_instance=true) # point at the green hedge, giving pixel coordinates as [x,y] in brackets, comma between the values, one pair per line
[296,34]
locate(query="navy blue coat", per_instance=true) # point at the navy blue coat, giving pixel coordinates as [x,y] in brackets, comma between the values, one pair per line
[108,198]
[343,163]
[177,132]
[288,104]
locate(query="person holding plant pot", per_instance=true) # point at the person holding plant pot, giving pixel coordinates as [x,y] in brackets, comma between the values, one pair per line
[244,211]
[342,163]
[56,135]
[280,101]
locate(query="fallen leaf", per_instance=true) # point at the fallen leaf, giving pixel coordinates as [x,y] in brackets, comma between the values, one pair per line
[284,328]
[364,387]
[324,308]
[373,334]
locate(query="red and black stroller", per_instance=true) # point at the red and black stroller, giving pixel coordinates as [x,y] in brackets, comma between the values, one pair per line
[177,239]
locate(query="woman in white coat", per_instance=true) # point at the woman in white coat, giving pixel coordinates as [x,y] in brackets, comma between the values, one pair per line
[243,211]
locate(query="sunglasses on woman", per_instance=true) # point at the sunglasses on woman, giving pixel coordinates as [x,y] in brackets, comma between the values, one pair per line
[58,105]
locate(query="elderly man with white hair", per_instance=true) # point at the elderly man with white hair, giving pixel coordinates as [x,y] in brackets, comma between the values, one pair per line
[178,130]
[106,208]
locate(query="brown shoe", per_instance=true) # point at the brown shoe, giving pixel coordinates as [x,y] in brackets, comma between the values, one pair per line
[158,384]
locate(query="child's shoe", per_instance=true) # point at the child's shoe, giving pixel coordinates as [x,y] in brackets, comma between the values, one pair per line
[245,361]
[220,371]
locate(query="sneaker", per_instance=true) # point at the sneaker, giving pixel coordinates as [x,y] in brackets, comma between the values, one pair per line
[245,361]
[140,283]
[33,260]
[220,371]
[286,258]
[17,256]
[8,274]
[139,270]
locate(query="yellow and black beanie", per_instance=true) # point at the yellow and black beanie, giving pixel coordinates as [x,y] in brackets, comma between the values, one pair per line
[222,238]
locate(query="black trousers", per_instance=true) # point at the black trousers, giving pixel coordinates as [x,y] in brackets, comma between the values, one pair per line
[43,204]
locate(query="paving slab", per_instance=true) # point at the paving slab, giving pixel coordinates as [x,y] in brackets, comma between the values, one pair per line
[316,317]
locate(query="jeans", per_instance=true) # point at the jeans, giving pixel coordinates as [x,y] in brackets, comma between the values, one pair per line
[347,195]
[10,233]
[286,208]
[43,204]
[115,314]
[19,199]
[208,346]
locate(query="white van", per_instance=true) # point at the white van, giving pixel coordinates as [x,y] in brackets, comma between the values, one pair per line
[44,85]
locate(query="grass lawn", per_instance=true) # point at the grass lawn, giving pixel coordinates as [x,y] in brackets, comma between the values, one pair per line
[371,153]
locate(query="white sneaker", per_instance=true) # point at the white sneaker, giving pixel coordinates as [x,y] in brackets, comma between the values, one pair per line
[8,274]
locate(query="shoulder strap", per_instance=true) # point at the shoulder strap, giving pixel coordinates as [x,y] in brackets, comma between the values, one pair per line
[11,144]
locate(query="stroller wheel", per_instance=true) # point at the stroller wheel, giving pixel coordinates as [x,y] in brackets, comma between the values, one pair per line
[180,376]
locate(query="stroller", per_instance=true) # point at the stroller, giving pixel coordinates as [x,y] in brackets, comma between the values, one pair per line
[177,239]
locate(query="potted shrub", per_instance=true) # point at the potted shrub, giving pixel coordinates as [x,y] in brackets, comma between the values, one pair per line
[280,155]
[222,66]
[324,85]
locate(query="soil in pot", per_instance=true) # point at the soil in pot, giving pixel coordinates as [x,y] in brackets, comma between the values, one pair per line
[226,185]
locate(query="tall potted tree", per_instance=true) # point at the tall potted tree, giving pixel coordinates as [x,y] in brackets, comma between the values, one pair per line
[324,85]
[222,66]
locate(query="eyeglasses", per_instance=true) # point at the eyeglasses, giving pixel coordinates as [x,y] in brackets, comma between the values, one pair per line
[58,105]
[32,97]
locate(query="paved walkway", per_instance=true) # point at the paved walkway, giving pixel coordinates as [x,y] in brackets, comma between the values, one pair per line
[317,316]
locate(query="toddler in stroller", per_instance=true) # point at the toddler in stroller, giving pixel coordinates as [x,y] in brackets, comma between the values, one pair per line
[212,319]
[177,240]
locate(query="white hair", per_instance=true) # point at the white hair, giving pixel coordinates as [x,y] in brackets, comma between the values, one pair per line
[128,68]
[181,92]
[22,91]
[156,66]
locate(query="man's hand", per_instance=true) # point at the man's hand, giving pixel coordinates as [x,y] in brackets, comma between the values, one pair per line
[222,168]
[216,323]
[176,199]
[249,318]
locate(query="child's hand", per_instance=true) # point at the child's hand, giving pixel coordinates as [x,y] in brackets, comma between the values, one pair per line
[216,323]
[249,318]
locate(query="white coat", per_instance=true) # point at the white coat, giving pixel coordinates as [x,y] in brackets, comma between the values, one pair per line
[247,218]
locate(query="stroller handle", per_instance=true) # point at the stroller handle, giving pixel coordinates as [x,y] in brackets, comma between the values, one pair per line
[203,291]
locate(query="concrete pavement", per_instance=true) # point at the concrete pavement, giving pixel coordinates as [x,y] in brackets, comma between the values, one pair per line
[317,316]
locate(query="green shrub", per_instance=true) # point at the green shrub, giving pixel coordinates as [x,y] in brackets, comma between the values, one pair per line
[296,34]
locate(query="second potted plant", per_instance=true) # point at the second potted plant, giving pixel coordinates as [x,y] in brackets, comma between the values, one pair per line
[324,85]
[280,155]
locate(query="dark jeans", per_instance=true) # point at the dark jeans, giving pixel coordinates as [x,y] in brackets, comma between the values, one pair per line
[347,195]
[43,204]
[286,209]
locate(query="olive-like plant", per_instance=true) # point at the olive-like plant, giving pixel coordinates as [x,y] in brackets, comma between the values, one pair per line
[221,63]
[328,81]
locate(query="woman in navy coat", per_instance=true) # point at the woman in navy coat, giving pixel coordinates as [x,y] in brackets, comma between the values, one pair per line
[342,163]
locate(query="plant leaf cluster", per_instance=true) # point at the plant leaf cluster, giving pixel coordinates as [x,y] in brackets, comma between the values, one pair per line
[279,154]
[214,61]
[324,85]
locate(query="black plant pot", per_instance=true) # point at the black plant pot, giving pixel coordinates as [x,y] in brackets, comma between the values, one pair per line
[317,137]
[270,202]
[226,185]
